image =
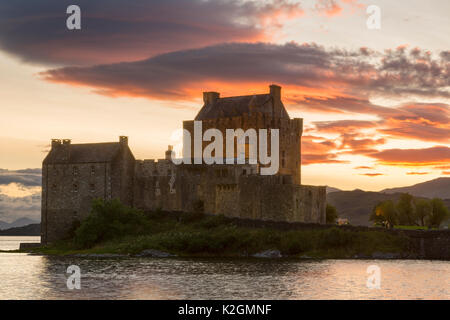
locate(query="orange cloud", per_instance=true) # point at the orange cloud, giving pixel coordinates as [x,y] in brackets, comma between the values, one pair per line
[328,8]
[317,150]
[417,173]
[308,159]
[371,174]
[344,125]
[443,167]
[413,157]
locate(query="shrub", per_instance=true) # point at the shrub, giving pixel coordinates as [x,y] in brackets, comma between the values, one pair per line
[109,220]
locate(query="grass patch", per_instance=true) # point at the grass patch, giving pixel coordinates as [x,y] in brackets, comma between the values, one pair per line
[113,228]
[414,228]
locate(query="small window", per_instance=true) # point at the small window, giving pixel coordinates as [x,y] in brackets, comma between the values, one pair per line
[282,163]
[75,187]
[92,170]
[92,187]
[54,187]
[244,172]
[75,171]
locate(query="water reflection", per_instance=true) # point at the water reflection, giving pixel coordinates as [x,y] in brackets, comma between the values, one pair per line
[37,277]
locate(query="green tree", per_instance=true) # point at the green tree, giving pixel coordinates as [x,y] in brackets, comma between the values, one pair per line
[439,213]
[406,210]
[385,213]
[331,214]
[377,219]
[423,210]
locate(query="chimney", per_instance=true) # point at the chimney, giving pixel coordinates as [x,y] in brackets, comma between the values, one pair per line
[169,152]
[123,140]
[210,97]
[55,143]
[275,91]
[65,149]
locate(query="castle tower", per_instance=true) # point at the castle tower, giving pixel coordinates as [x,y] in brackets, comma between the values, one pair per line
[260,111]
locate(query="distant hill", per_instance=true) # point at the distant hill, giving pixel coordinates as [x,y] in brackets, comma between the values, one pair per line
[17,223]
[437,188]
[332,189]
[29,230]
[357,205]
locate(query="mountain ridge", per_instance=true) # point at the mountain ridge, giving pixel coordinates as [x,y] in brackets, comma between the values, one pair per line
[436,188]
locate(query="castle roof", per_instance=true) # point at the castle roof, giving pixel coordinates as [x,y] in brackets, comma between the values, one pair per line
[215,107]
[82,153]
[234,106]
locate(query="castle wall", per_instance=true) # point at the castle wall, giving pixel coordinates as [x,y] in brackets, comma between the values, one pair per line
[228,190]
[67,193]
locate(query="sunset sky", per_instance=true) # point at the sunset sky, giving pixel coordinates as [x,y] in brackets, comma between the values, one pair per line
[375,103]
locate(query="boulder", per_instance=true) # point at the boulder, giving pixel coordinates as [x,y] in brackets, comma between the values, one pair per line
[268,254]
[385,255]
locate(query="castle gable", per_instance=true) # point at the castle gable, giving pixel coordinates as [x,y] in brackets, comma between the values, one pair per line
[215,107]
[83,153]
[235,106]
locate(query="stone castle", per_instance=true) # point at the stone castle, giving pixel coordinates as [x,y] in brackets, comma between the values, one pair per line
[74,174]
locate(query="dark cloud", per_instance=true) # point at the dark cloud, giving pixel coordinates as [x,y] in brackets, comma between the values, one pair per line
[32,171]
[12,208]
[26,177]
[114,30]
[343,80]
